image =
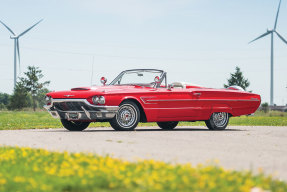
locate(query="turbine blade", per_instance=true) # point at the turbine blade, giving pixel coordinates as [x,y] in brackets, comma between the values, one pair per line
[29,28]
[8,28]
[267,33]
[277,15]
[18,54]
[284,40]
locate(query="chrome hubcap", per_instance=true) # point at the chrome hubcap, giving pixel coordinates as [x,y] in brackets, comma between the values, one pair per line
[127,116]
[220,119]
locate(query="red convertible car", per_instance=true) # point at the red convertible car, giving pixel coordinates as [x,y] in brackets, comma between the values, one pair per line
[143,95]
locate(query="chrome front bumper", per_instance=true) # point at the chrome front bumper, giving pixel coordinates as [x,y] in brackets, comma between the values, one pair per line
[80,109]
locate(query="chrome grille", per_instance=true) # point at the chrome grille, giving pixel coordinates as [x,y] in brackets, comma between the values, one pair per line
[72,106]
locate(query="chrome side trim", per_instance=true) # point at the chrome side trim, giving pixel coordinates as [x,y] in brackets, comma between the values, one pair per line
[228,99]
[145,101]
[172,100]
[175,108]
[148,100]
[201,100]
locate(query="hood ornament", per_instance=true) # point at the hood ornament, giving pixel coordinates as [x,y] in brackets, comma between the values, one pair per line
[69,95]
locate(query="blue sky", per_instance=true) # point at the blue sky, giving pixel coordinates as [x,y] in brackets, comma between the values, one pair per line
[195,41]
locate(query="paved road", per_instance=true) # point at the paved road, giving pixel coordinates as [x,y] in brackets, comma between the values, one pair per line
[236,148]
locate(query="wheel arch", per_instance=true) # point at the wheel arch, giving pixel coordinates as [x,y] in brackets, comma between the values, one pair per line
[221,108]
[143,117]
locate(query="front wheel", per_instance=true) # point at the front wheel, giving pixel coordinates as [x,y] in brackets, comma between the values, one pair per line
[74,125]
[127,117]
[167,125]
[218,121]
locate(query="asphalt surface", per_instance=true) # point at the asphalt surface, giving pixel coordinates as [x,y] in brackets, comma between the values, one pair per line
[239,148]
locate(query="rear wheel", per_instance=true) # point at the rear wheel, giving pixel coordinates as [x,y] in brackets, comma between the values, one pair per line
[74,125]
[218,121]
[167,125]
[127,117]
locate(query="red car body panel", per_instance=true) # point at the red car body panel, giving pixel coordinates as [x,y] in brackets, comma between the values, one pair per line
[177,104]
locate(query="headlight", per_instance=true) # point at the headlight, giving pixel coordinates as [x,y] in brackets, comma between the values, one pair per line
[99,100]
[102,100]
[96,100]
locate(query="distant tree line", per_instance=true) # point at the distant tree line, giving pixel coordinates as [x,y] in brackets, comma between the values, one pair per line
[29,92]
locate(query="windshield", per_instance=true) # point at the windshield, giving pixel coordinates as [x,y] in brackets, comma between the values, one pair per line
[143,77]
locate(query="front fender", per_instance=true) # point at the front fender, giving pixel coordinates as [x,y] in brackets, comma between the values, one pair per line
[132,98]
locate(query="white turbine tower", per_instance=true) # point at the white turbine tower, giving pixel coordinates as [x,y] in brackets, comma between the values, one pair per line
[16,47]
[272,51]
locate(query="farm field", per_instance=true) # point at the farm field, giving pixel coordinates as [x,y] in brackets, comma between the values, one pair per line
[41,119]
[26,169]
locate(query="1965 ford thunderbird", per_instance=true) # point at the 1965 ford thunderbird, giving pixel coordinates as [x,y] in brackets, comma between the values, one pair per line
[143,95]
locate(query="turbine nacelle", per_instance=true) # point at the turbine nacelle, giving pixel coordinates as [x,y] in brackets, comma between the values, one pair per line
[13,37]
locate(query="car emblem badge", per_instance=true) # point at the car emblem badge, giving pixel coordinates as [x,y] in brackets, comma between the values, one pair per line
[69,95]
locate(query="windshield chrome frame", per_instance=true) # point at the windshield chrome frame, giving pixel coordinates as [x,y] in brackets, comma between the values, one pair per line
[161,77]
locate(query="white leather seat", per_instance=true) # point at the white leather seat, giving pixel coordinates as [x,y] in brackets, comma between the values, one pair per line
[179,85]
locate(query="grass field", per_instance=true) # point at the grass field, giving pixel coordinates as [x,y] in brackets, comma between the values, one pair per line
[25,169]
[41,119]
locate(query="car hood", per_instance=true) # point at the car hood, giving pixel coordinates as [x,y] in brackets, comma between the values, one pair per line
[85,92]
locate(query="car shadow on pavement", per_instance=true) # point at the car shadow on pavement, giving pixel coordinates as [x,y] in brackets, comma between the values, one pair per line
[187,129]
[146,130]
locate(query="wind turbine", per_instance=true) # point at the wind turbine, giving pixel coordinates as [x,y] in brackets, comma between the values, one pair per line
[16,47]
[272,51]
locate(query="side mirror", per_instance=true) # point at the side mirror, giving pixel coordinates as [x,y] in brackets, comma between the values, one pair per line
[170,86]
[104,80]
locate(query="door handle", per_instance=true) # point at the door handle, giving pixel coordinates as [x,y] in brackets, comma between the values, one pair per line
[197,94]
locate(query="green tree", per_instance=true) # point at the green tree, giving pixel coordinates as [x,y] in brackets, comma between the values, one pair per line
[32,83]
[41,97]
[20,98]
[238,79]
[4,100]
